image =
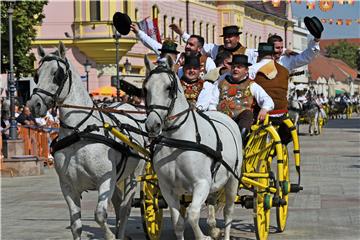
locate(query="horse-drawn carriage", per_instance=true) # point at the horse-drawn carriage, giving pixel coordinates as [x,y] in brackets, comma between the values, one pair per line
[97,149]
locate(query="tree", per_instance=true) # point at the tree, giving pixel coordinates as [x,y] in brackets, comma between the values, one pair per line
[27,15]
[344,51]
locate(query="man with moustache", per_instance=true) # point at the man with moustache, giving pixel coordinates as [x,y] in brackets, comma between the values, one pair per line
[231,35]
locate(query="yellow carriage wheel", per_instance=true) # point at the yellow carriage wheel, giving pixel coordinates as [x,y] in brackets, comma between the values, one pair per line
[282,211]
[321,123]
[262,205]
[151,213]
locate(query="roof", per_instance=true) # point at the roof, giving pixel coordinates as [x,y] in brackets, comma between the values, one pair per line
[326,67]
[268,8]
[327,42]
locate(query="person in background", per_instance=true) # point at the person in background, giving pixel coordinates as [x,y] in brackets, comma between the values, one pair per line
[26,118]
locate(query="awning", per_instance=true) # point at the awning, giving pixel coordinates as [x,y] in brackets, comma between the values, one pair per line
[106,91]
[339,91]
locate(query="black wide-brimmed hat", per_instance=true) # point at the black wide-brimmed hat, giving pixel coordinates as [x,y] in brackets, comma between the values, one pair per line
[240,59]
[266,48]
[122,23]
[230,30]
[314,26]
[192,61]
[169,46]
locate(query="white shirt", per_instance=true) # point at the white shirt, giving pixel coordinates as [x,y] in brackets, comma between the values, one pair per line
[212,50]
[210,101]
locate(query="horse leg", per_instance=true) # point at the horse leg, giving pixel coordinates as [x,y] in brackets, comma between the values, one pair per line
[106,190]
[124,206]
[316,123]
[72,199]
[174,206]
[310,126]
[231,188]
[200,192]
[211,221]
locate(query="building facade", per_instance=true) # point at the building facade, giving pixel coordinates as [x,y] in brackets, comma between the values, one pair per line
[85,27]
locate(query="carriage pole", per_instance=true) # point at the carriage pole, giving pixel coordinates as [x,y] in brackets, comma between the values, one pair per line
[12,87]
[117,36]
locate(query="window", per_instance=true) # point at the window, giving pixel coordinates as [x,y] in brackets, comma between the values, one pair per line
[200,28]
[125,6]
[246,40]
[255,43]
[207,32]
[155,11]
[250,42]
[180,26]
[194,27]
[172,32]
[95,10]
[136,14]
[213,33]
[165,26]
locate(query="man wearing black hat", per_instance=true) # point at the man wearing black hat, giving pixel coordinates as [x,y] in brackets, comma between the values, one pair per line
[231,35]
[236,94]
[191,81]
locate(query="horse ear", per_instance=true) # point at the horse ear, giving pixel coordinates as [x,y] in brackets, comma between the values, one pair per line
[41,51]
[149,65]
[62,49]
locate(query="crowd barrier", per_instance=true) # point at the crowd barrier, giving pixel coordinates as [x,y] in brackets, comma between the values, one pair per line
[37,141]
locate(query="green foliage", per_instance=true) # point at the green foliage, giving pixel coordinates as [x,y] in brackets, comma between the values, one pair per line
[344,51]
[27,15]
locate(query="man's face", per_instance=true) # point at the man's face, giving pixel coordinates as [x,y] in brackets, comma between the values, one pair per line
[231,41]
[27,111]
[239,72]
[192,46]
[279,47]
[191,73]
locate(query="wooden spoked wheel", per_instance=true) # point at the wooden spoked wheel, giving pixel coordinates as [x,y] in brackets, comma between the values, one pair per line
[151,213]
[282,211]
[262,205]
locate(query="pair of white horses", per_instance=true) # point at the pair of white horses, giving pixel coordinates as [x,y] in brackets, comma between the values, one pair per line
[87,165]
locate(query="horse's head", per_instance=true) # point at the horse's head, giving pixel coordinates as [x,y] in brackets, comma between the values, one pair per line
[160,87]
[53,81]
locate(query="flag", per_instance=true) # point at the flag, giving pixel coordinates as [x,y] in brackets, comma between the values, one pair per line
[339,22]
[331,21]
[348,22]
[150,27]
[325,5]
[310,4]
[351,2]
[323,20]
[275,3]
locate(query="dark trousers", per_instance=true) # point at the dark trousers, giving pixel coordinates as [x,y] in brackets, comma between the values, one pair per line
[284,131]
[245,119]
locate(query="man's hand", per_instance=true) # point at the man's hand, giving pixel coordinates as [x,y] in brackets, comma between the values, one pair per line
[135,28]
[262,114]
[176,29]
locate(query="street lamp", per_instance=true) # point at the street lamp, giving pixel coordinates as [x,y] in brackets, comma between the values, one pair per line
[117,36]
[12,87]
[87,66]
[127,66]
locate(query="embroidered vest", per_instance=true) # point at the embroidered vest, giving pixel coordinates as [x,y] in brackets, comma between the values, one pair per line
[203,59]
[235,97]
[192,90]
[273,78]
[237,50]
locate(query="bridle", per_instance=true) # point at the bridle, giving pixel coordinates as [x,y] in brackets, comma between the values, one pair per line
[172,92]
[60,77]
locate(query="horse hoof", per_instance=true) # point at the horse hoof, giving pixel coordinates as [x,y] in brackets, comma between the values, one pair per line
[215,233]
[311,134]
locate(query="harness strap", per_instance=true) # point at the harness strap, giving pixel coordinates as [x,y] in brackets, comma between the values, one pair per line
[197,134]
[193,146]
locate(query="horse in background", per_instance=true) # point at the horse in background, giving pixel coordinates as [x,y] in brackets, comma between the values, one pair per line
[312,111]
[86,157]
[295,107]
[338,107]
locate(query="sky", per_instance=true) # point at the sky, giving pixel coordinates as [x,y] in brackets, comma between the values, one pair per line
[333,31]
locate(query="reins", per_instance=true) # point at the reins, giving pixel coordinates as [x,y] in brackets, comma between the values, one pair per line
[101,109]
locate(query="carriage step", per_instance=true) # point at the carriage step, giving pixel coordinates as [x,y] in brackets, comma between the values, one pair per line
[246,201]
[162,203]
[294,188]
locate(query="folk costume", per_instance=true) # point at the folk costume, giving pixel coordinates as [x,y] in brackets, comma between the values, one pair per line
[213,49]
[236,98]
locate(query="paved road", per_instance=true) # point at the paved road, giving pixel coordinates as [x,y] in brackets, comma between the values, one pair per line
[328,208]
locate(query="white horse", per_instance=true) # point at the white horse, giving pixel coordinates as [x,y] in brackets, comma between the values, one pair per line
[182,158]
[295,108]
[311,111]
[87,164]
